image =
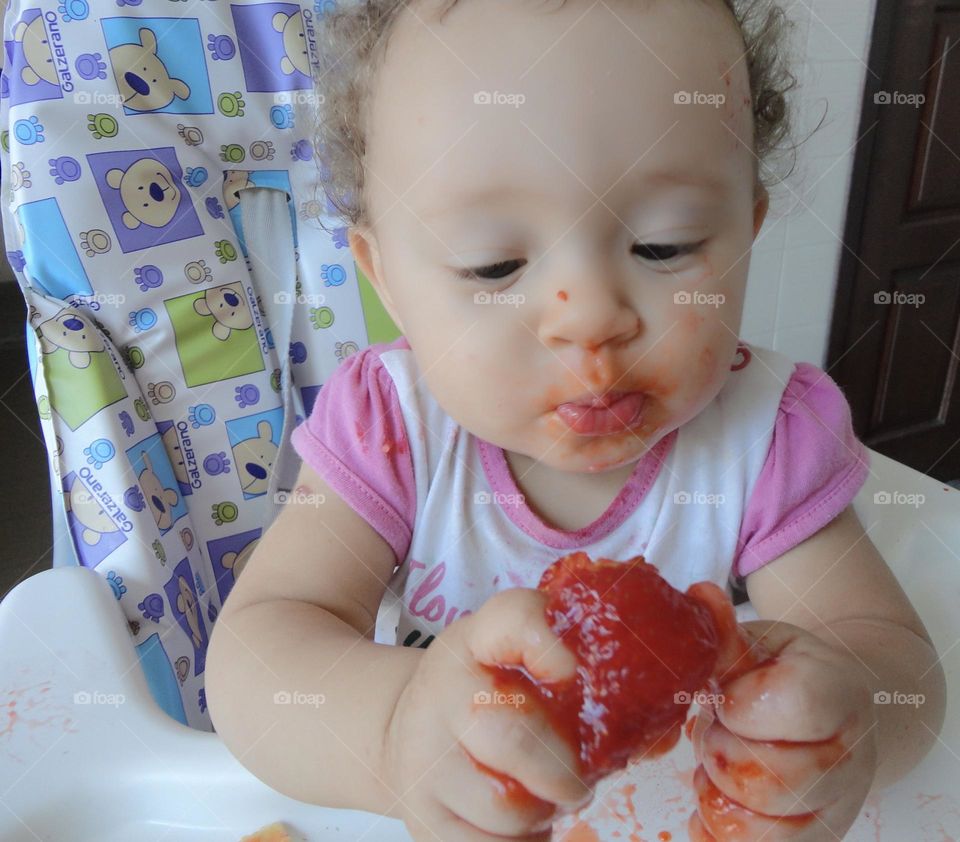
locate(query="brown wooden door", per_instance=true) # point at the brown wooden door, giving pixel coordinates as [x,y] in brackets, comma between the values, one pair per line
[895,339]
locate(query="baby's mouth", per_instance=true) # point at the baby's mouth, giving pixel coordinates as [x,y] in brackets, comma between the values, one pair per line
[603,415]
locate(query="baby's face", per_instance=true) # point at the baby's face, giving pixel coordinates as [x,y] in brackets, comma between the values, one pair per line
[570,192]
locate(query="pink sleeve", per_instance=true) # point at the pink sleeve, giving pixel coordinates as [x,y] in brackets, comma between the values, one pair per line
[814,469]
[355,438]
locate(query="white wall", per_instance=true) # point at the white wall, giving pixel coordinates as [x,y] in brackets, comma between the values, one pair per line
[796,258]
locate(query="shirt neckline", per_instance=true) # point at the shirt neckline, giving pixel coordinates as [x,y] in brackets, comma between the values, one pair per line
[507,495]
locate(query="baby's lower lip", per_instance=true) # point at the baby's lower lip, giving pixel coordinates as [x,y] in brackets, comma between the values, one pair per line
[622,414]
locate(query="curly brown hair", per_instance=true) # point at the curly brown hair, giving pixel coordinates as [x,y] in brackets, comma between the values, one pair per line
[352,40]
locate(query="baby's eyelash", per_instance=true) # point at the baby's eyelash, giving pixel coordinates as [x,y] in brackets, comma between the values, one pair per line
[498,271]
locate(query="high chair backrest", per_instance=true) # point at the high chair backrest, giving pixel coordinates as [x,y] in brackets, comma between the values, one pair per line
[172,353]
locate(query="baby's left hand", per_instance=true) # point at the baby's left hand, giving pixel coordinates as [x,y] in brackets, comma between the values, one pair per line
[789,752]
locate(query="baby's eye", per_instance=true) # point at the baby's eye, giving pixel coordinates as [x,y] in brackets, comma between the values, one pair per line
[665,253]
[494,272]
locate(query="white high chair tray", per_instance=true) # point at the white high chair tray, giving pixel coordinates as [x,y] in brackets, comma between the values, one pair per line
[111,766]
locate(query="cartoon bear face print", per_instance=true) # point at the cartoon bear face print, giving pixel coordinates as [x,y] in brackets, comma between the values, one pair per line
[233,182]
[71,331]
[294,43]
[160,500]
[87,510]
[148,191]
[142,77]
[36,52]
[235,562]
[171,444]
[254,458]
[229,308]
[187,605]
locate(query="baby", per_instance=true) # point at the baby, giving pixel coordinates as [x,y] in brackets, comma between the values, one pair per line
[556,204]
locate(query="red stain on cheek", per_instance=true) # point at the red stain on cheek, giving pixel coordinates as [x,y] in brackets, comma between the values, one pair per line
[664,836]
[562,295]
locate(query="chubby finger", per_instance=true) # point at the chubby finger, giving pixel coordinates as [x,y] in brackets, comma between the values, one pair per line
[724,819]
[437,823]
[782,778]
[486,799]
[511,628]
[518,742]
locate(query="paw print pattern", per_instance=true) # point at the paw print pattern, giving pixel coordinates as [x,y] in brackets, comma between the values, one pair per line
[216,464]
[141,320]
[262,150]
[214,208]
[28,131]
[311,209]
[95,241]
[231,104]
[321,317]
[301,150]
[201,415]
[191,134]
[333,274]
[282,116]
[147,277]
[339,238]
[225,512]
[152,607]
[71,10]
[64,169]
[134,356]
[19,176]
[159,551]
[102,125]
[225,251]
[126,422]
[232,153]
[211,616]
[221,47]
[133,499]
[197,272]
[162,392]
[99,452]
[91,66]
[246,395]
[186,536]
[140,405]
[195,176]
[202,693]
[275,380]
[298,352]
[345,349]
[116,582]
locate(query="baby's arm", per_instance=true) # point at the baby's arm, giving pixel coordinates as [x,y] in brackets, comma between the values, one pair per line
[837,586]
[300,621]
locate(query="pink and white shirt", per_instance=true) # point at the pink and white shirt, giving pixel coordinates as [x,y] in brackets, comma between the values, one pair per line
[771,460]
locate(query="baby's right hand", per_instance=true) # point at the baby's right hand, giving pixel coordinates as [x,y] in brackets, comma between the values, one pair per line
[441,722]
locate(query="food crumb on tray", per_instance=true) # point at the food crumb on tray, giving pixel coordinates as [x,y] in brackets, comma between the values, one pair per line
[276,832]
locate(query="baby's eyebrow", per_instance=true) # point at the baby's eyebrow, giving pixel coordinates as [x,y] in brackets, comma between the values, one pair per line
[657,180]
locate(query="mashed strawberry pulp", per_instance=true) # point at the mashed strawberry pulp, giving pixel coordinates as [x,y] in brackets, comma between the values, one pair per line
[643,650]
